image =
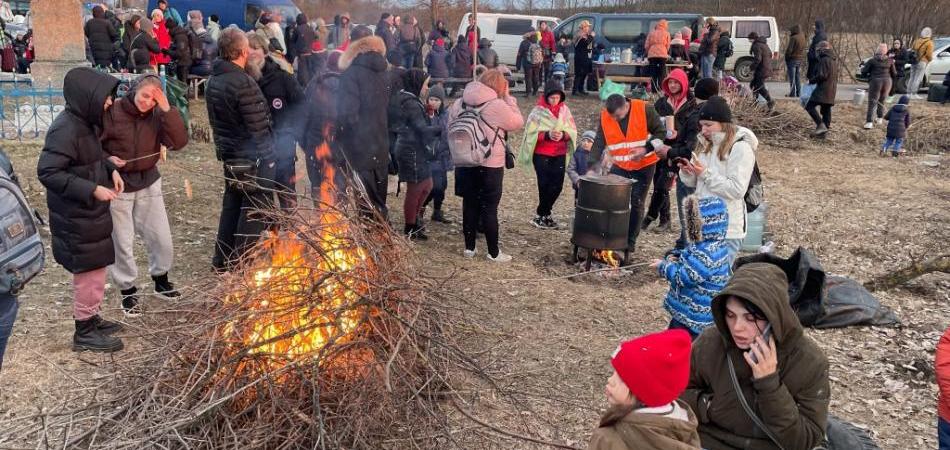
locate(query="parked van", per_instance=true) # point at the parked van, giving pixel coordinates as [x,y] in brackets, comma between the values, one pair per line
[505,31]
[739,27]
[243,13]
[624,30]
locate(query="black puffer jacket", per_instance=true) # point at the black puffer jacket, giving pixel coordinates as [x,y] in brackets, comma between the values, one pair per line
[283,94]
[71,165]
[416,134]
[319,111]
[826,78]
[362,105]
[141,47]
[239,114]
[686,122]
[181,43]
[102,36]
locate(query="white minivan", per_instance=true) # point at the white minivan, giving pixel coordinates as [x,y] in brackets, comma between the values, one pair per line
[739,27]
[506,31]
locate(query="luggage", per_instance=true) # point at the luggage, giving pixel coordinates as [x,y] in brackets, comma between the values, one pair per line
[936,93]
[9,59]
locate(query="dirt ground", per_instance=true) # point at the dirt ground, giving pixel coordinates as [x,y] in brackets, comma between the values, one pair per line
[862,216]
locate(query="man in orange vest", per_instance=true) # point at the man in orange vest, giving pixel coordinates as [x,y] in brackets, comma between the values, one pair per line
[629,133]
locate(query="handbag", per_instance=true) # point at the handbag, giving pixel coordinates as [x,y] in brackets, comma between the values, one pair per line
[249,176]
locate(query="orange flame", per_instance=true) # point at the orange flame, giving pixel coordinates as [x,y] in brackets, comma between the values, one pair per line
[608,257]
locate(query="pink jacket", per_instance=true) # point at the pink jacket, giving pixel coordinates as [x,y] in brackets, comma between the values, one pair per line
[943,376]
[658,41]
[502,114]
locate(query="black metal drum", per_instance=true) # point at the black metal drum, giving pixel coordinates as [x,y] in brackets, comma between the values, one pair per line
[602,214]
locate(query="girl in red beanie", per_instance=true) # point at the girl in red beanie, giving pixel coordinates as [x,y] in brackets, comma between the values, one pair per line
[650,372]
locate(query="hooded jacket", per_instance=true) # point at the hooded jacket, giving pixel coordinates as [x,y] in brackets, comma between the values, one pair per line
[793,402]
[283,95]
[202,66]
[624,428]
[487,55]
[181,43]
[101,35]
[362,104]
[685,120]
[164,40]
[436,62]
[820,35]
[461,61]
[943,375]
[703,267]
[416,133]
[658,41]
[239,115]
[761,58]
[71,166]
[898,118]
[130,135]
[303,37]
[825,76]
[795,51]
[440,118]
[727,179]
[500,114]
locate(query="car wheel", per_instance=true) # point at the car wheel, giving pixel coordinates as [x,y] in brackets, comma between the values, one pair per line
[743,70]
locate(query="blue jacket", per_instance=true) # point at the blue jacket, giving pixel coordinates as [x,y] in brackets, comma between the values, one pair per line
[577,167]
[703,267]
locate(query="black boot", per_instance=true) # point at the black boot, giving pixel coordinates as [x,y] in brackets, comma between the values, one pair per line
[415,233]
[647,220]
[88,337]
[165,287]
[107,327]
[130,302]
[438,216]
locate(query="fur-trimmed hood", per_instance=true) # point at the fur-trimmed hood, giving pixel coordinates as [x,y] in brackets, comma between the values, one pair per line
[707,218]
[365,45]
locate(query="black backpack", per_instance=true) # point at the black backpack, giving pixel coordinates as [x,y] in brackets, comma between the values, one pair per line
[755,193]
[912,57]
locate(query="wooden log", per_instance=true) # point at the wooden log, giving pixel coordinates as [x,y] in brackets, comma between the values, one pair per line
[898,277]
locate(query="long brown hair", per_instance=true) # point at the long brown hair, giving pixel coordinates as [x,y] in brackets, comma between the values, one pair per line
[705,145]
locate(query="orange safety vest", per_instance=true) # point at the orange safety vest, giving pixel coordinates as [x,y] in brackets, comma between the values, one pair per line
[623,149]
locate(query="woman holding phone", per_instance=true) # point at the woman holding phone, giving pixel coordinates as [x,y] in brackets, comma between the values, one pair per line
[756,381]
[722,165]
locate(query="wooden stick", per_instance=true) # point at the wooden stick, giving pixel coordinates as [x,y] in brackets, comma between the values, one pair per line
[917,268]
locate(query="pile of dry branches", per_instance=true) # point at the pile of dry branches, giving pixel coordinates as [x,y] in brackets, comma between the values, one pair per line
[785,126]
[325,339]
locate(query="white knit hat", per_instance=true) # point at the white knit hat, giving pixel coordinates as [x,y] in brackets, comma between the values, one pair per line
[926,32]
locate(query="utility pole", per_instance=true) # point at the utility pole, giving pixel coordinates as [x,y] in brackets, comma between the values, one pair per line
[474,46]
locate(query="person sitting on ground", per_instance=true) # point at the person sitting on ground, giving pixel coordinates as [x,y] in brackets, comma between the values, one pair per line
[577,167]
[549,134]
[898,119]
[650,372]
[135,129]
[675,88]
[442,164]
[942,368]
[758,344]
[415,134]
[723,165]
[701,270]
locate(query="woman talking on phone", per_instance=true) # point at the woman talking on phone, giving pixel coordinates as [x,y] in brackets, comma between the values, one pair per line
[756,381]
[722,165]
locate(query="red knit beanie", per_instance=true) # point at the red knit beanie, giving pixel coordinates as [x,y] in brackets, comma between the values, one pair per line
[654,367]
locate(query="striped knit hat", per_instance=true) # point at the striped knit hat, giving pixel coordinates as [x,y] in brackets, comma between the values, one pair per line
[707,218]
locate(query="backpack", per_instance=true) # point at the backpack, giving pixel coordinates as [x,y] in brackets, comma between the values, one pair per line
[535,54]
[469,144]
[23,255]
[912,57]
[728,51]
[755,193]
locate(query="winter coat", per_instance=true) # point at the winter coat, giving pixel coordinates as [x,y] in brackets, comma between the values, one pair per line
[436,62]
[461,58]
[319,114]
[761,58]
[181,45]
[500,114]
[710,43]
[727,179]
[102,36]
[813,55]
[549,44]
[724,43]
[925,49]
[214,29]
[164,42]
[685,120]
[389,37]
[625,428]
[416,131]
[238,113]
[71,166]
[487,55]
[582,51]
[880,67]
[209,49]
[942,367]
[703,267]
[825,77]
[361,105]
[898,120]
[577,166]
[793,402]
[443,156]
[658,41]
[900,58]
[795,51]
[303,40]
[283,94]
[142,48]
[138,138]
[678,50]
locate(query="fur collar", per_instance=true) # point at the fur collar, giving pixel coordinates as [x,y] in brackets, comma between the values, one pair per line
[365,45]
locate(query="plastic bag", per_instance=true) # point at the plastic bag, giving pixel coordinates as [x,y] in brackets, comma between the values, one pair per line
[610,88]
[847,303]
[807,90]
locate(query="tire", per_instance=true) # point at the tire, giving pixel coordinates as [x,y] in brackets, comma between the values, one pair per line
[743,70]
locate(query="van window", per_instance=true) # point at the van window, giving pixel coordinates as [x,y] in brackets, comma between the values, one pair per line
[725,25]
[515,27]
[622,30]
[674,26]
[761,27]
[569,28]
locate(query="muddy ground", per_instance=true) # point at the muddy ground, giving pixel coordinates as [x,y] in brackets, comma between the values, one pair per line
[862,215]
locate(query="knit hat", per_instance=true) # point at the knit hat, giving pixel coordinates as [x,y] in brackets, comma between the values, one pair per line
[589,135]
[715,109]
[654,367]
[553,87]
[904,100]
[707,218]
[705,88]
[437,91]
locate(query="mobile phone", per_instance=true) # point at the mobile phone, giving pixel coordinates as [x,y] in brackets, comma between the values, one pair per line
[680,161]
[766,334]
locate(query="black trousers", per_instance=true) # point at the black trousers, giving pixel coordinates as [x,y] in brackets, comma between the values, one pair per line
[286,147]
[375,183]
[181,72]
[304,69]
[581,72]
[758,88]
[240,226]
[657,72]
[643,178]
[440,183]
[660,201]
[824,117]
[550,171]
[480,188]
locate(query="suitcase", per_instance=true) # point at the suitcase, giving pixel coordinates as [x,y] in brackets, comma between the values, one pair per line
[936,93]
[9,59]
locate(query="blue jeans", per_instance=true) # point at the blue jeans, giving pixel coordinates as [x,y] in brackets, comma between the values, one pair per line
[794,77]
[707,65]
[943,434]
[8,309]
[894,144]
[733,245]
[682,191]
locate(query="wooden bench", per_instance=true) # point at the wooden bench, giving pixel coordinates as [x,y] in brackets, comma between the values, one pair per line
[194,82]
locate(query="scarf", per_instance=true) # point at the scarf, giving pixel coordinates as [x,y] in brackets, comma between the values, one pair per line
[542,119]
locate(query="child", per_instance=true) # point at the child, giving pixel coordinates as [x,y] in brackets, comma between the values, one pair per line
[549,135]
[577,167]
[702,269]
[559,69]
[442,164]
[650,372]
[898,119]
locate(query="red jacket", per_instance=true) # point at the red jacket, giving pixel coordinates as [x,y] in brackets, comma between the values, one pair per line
[164,42]
[943,376]
[548,42]
[545,146]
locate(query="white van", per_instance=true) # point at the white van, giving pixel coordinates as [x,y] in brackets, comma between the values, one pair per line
[506,31]
[739,27]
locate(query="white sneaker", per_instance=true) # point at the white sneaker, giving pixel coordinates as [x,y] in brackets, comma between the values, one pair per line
[879,120]
[501,258]
[869,125]
[469,254]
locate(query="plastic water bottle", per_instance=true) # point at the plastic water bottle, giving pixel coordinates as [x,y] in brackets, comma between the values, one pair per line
[757,226]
